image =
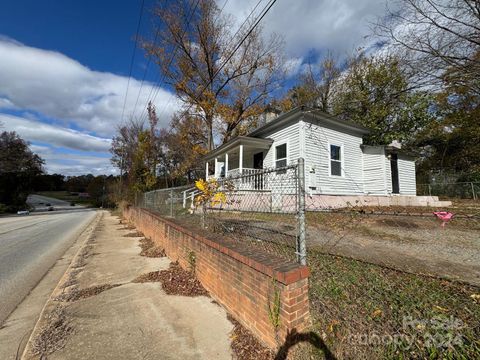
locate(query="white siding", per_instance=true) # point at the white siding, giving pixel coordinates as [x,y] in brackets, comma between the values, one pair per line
[388,175]
[374,170]
[283,186]
[406,175]
[317,154]
[288,134]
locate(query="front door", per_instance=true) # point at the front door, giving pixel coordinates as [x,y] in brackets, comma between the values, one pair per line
[394,169]
[258,164]
[258,160]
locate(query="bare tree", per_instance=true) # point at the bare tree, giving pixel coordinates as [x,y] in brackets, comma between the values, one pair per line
[438,37]
[329,75]
[316,86]
[194,52]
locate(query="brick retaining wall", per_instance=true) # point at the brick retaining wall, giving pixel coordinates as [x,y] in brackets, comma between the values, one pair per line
[239,279]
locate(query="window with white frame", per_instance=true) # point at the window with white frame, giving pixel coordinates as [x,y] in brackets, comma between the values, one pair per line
[281,156]
[336,160]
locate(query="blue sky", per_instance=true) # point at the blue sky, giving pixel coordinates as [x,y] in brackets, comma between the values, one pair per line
[64,66]
[98,34]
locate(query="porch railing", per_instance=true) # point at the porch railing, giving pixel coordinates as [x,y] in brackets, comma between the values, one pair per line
[247,179]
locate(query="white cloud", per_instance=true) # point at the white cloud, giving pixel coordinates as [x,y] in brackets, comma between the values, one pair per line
[61,88]
[337,26]
[75,169]
[32,130]
[74,163]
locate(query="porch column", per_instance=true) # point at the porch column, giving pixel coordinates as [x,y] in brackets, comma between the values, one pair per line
[226,164]
[206,170]
[216,168]
[240,159]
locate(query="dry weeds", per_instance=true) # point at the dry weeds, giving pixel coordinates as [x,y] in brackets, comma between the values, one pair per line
[150,250]
[175,281]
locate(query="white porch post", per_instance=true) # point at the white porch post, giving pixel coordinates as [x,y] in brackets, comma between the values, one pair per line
[216,168]
[226,164]
[240,159]
[206,170]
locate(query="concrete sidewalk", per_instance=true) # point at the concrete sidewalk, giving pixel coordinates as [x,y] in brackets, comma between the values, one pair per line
[128,320]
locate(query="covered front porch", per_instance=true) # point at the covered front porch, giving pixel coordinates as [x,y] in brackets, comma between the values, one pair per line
[240,156]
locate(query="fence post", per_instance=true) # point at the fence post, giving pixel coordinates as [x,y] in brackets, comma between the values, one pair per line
[171,202]
[429,190]
[185,199]
[301,246]
[473,191]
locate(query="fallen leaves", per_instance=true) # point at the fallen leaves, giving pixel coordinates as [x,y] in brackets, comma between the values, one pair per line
[53,335]
[175,281]
[245,345]
[149,249]
[77,294]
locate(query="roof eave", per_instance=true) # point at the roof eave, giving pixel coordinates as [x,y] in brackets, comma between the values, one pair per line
[239,140]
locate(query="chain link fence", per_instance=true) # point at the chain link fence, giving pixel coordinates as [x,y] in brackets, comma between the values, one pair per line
[263,209]
[459,190]
[167,202]
[366,260]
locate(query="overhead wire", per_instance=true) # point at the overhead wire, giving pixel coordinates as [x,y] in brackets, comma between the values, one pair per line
[132,58]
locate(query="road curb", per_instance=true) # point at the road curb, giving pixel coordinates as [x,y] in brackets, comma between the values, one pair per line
[87,232]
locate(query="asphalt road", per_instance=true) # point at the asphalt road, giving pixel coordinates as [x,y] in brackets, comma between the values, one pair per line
[30,245]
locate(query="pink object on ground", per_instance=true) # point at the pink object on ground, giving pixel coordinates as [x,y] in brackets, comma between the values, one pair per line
[445,216]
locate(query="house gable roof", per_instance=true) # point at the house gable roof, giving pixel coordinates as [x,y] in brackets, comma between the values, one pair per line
[313,114]
[257,136]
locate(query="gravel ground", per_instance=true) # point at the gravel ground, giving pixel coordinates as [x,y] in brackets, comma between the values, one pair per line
[410,243]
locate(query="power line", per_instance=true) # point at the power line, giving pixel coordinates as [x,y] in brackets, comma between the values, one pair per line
[133,58]
[172,95]
[267,7]
[223,7]
[256,22]
[144,74]
[264,11]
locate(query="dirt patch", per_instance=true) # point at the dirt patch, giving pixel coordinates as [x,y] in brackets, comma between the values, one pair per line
[408,243]
[245,346]
[150,250]
[77,294]
[134,234]
[175,281]
[53,336]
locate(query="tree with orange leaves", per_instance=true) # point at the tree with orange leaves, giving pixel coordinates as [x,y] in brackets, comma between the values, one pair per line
[222,88]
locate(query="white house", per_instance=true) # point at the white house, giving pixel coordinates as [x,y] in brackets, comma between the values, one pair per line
[338,166]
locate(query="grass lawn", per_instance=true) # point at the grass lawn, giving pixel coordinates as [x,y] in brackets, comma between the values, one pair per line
[66,196]
[364,311]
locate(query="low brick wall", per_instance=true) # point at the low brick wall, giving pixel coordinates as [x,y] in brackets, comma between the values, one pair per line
[246,283]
